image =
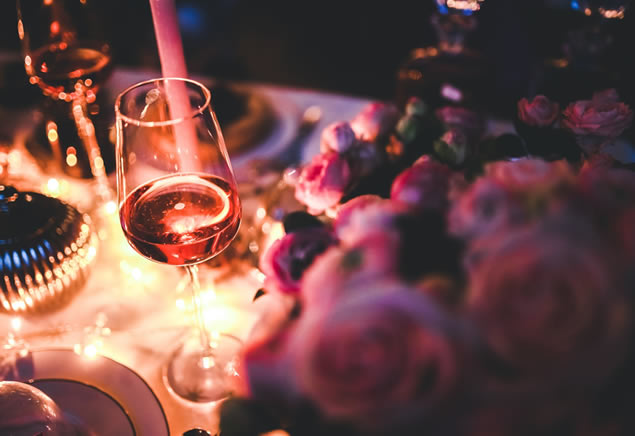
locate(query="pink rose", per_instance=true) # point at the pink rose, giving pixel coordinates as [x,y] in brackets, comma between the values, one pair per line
[338,137]
[375,120]
[423,186]
[524,175]
[344,211]
[363,361]
[540,112]
[541,188]
[545,301]
[357,204]
[343,270]
[481,246]
[458,185]
[601,119]
[455,117]
[323,182]
[284,262]
[360,220]
[484,208]
[266,364]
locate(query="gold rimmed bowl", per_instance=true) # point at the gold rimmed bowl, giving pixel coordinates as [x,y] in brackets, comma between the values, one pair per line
[46,249]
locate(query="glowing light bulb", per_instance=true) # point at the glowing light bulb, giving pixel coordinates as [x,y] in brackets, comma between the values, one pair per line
[110,207]
[90,351]
[53,185]
[71,160]
[137,274]
[16,323]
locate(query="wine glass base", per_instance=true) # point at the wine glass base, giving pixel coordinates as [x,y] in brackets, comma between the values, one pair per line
[201,376]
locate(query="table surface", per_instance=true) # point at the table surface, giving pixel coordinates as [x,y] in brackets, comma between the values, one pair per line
[134,311]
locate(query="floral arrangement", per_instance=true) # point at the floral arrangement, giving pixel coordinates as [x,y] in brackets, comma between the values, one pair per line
[449,283]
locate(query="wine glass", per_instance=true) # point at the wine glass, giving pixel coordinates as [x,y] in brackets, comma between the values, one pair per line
[179,205]
[26,411]
[66,56]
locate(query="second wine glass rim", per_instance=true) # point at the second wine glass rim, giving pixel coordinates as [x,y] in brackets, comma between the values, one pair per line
[140,123]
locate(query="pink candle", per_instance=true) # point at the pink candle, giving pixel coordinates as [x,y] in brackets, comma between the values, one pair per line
[166,30]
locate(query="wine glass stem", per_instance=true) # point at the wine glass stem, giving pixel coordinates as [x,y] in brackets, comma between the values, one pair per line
[192,271]
[86,130]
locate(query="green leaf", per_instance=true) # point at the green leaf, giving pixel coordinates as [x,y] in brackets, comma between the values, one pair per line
[408,128]
[445,153]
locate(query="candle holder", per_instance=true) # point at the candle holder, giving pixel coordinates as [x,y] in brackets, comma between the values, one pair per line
[449,72]
[46,247]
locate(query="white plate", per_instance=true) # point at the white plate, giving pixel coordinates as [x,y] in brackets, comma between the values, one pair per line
[287,120]
[88,407]
[287,114]
[105,396]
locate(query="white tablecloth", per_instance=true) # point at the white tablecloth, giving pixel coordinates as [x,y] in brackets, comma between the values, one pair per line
[134,311]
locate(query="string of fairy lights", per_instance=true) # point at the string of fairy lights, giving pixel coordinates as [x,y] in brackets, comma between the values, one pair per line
[135,276]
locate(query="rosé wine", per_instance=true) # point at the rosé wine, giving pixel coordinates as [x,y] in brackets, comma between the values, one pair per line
[181,219]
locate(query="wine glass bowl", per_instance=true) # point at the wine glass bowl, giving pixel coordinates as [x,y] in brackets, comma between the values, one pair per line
[181,220]
[178,200]
[179,205]
[63,45]
[62,72]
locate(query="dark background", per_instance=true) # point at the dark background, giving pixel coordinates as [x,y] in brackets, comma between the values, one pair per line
[347,46]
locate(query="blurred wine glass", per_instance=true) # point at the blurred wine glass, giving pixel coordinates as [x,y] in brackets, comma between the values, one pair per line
[179,205]
[449,72]
[67,56]
[27,411]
